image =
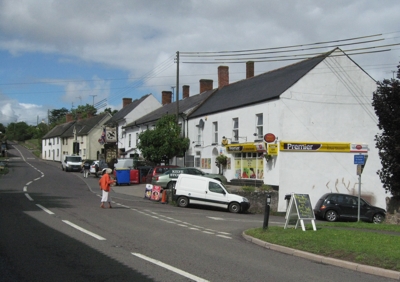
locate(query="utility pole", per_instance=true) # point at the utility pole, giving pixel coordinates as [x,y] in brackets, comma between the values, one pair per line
[177,87]
[93,99]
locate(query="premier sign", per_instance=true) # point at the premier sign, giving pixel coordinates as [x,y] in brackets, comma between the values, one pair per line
[339,147]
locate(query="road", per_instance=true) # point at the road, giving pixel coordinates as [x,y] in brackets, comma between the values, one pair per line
[53,229]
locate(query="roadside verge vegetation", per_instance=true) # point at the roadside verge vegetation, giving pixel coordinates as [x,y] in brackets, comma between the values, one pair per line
[359,242]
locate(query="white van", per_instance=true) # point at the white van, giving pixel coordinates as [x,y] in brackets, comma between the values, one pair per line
[71,163]
[200,190]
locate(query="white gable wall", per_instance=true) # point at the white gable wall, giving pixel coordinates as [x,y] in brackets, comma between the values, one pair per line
[148,105]
[330,104]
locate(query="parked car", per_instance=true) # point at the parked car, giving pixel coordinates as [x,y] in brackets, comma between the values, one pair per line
[335,206]
[97,168]
[168,179]
[161,169]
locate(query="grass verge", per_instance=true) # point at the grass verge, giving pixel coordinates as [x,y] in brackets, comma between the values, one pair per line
[365,243]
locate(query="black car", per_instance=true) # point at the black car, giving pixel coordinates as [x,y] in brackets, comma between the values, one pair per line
[335,206]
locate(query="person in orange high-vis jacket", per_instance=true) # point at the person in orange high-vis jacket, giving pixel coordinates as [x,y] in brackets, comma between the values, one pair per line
[105,182]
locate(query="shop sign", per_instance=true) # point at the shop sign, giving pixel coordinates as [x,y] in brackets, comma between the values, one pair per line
[245,147]
[269,137]
[273,149]
[260,146]
[111,134]
[361,148]
[296,146]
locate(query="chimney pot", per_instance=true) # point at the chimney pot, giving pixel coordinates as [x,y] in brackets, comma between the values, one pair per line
[205,85]
[166,97]
[126,101]
[185,91]
[249,69]
[223,76]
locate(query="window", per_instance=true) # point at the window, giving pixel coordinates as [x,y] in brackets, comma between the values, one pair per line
[199,135]
[137,138]
[259,126]
[197,159]
[235,130]
[58,152]
[129,140]
[215,133]
[58,140]
[215,187]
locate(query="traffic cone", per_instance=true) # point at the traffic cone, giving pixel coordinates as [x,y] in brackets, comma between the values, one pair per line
[164,197]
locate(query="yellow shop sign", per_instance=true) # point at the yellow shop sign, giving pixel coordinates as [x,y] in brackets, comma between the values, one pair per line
[298,146]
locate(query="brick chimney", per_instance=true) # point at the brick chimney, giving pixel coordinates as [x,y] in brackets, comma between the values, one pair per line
[166,97]
[126,101]
[249,69]
[205,85]
[223,76]
[185,91]
[69,117]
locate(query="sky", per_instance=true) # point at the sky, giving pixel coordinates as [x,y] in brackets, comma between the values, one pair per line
[61,54]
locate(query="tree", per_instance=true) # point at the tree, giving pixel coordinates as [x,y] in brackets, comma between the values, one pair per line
[386,102]
[163,142]
[84,111]
[112,112]
[57,116]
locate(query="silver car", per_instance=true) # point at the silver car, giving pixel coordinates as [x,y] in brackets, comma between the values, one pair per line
[168,179]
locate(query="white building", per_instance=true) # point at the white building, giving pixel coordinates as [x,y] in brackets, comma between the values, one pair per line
[322,104]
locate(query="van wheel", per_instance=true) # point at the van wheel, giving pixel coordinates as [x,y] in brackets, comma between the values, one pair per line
[183,202]
[234,207]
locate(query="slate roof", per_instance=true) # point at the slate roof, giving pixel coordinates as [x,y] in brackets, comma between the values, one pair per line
[58,130]
[185,106]
[84,126]
[260,88]
[121,114]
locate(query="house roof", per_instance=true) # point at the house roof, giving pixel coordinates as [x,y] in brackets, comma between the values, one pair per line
[84,126]
[185,106]
[121,114]
[58,130]
[266,86]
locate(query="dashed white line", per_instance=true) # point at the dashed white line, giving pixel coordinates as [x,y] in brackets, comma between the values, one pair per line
[171,268]
[46,210]
[84,230]
[29,197]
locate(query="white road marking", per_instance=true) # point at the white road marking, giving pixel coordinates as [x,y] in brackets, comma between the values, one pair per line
[29,183]
[46,210]
[169,267]
[216,218]
[84,230]
[29,197]
[25,188]
[223,236]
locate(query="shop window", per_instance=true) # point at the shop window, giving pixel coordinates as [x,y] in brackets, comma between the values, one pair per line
[197,159]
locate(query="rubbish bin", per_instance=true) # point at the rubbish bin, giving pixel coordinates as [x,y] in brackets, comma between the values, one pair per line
[134,176]
[123,176]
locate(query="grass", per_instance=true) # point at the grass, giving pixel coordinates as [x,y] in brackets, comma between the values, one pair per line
[365,243]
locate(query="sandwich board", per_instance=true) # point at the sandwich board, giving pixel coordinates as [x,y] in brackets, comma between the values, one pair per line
[298,210]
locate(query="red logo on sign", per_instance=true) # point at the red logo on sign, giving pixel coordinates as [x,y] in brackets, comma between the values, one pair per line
[269,137]
[358,147]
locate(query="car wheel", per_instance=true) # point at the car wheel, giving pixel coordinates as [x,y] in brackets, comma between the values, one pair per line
[183,202]
[331,216]
[378,218]
[171,185]
[234,207]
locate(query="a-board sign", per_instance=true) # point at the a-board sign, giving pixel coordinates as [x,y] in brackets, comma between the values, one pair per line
[304,208]
[298,210]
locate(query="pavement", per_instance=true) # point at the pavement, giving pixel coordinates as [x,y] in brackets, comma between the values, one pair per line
[138,190]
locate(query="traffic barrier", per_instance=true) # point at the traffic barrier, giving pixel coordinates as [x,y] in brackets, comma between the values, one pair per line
[164,197]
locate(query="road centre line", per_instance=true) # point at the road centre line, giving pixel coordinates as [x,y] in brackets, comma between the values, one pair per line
[83,230]
[169,267]
[44,209]
[29,197]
